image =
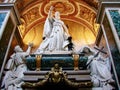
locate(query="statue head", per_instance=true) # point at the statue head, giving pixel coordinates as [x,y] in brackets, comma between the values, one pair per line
[18,49]
[87,50]
[56,66]
[57,15]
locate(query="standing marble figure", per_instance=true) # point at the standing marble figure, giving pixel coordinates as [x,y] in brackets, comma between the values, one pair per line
[55,34]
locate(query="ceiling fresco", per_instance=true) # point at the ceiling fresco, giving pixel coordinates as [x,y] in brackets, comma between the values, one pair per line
[78,15]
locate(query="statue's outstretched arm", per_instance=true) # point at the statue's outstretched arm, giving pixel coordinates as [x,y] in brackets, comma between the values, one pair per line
[48,24]
[50,12]
[30,45]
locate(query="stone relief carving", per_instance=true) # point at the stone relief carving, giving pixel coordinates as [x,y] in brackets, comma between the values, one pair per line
[32,15]
[22,28]
[87,14]
[64,8]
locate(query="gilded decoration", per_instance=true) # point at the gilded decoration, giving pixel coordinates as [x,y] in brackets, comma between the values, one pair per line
[76,59]
[38,62]
[57,77]
[65,8]
[32,15]
[79,13]
[87,14]
[22,28]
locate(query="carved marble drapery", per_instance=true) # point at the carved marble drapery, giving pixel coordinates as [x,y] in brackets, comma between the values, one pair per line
[80,13]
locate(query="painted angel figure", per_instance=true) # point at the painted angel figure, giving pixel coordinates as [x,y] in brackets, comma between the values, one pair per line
[55,35]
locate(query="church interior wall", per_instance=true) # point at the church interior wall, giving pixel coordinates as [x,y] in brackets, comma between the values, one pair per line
[112,45]
[74,13]
[108,26]
[6,39]
[80,20]
[7,36]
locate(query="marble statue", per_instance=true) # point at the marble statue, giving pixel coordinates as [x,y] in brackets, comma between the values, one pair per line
[13,77]
[55,35]
[9,1]
[99,66]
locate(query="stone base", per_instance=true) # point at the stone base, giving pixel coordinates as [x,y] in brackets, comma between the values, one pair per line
[57,52]
[80,76]
[77,76]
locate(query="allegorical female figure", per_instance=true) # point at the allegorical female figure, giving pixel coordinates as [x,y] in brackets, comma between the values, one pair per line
[16,67]
[55,35]
[99,65]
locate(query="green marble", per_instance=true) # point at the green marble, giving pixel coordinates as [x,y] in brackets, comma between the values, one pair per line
[31,63]
[115,15]
[65,62]
[82,62]
[48,61]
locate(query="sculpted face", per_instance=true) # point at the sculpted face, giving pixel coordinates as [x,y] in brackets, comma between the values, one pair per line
[18,49]
[56,66]
[57,15]
[87,50]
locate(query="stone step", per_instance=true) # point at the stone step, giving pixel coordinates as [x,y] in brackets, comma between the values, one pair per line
[78,76]
[69,72]
[69,89]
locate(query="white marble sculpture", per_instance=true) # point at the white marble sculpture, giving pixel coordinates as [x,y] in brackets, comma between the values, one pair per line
[13,77]
[9,1]
[100,68]
[55,34]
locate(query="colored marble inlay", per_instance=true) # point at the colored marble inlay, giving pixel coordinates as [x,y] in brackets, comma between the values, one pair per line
[48,61]
[116,20]
[2,17]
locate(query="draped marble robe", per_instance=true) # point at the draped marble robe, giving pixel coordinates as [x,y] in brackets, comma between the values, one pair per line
[56,35]
[13,77]
[101,73]
[100,68]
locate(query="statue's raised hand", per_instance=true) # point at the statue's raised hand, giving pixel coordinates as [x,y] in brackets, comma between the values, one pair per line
[51,8]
